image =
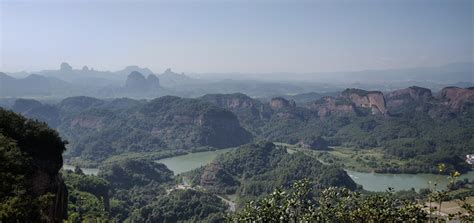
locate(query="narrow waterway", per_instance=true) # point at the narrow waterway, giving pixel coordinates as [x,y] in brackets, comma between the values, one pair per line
[369,181]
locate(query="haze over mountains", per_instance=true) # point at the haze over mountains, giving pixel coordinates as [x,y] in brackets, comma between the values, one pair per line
[137,82]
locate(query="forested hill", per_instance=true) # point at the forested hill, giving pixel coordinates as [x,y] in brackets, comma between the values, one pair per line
[98,129]
[256,169]
[412,129]
[30,158]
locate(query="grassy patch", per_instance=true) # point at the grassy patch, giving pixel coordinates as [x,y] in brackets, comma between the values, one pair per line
[362,160]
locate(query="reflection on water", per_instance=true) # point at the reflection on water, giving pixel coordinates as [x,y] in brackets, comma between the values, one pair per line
[370,181]
[191,161]
[382,181]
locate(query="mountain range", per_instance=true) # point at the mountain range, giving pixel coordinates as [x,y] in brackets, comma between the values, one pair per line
[412,125]
[67,81]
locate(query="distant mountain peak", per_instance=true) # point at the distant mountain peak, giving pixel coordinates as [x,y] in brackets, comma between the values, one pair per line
[168,71]
[65,67]
[129,69]
[136,74]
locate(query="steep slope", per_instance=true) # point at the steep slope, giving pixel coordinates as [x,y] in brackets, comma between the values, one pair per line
[409,100]
[137,85]
[166,123]
[36,110]
[251,113]
[373,100]
[32,85]
[458,99]
[31,156]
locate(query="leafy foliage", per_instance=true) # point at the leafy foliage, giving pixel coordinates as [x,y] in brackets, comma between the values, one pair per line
[28,150]
[298,204]
[182,205]
[256,169]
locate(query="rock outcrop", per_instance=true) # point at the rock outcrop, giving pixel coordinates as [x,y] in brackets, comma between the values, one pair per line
[65,67]
[329,105]
[43,182]
[136,82]
[251,113]
[457,99]
[35,159]
[373,100]
[281,103]
[412,99]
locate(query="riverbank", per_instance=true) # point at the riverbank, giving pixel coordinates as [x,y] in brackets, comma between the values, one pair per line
[369,180]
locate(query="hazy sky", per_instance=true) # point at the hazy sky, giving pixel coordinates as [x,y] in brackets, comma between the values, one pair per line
[235,36]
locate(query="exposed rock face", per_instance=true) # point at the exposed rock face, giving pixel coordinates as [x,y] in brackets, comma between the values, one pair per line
[43,182]
[412,97]
[231,101]
[79,103]
[41,159]
[373,100]
[329,105]
[414,93]
[251,113]
[195,120]
[281,103]
[457,99]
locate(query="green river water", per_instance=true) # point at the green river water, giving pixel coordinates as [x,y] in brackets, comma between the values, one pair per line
[370,181]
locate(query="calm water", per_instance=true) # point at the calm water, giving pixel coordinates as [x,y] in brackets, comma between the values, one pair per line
[370,181]
[381,181]
[191,161]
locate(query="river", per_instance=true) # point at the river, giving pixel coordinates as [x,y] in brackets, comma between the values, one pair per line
[191,161]
[369,181]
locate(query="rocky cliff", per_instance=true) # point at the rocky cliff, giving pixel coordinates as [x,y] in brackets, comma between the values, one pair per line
[251,113]
[281,103]
[457,99]
[35,170]
[329,105]
[409,99]
[373,100]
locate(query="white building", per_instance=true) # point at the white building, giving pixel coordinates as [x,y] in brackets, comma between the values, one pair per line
[470,159]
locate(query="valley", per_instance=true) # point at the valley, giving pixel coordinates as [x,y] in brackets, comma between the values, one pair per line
[236,111]
[142,160]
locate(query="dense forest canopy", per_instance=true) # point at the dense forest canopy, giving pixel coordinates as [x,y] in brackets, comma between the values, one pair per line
[412,127]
